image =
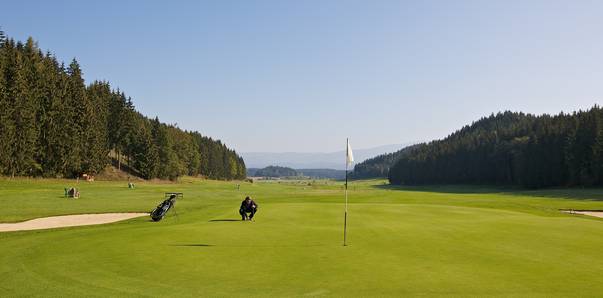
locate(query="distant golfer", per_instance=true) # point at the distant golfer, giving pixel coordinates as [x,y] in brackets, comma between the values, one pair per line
[248,206]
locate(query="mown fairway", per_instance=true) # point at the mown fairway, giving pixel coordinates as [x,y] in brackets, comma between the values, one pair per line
[451,241]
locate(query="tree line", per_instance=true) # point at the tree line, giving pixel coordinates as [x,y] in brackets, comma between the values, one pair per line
[275,171]
[322,173]
[512,149]
[378,166]
[54,125]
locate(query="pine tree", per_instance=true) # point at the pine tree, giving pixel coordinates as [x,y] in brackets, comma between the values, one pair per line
[167,166]
[2,37]
[146,155]
[597,148]
[24,117]
[78,111]
[99,94]
[57,128]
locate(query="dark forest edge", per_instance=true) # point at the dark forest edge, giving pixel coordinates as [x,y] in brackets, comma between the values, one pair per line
[53,125]
[378,166]
[514,149]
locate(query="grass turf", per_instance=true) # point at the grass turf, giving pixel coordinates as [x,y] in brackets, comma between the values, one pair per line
[419,241]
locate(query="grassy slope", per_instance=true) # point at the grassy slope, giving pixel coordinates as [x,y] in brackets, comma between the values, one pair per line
[454,241]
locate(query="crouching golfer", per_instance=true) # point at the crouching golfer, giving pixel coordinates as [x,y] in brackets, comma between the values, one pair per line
[248,206]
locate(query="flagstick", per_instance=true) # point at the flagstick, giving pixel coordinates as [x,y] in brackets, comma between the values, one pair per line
[345,217]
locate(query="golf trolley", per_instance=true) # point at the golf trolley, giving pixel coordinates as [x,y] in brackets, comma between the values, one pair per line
[168,203]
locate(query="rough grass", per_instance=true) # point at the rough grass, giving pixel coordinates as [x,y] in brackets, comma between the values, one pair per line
[422,241]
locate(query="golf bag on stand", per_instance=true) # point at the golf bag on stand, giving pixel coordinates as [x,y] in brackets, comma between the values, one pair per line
[161,210]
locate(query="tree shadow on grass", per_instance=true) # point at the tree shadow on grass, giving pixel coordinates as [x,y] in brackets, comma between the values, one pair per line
[583,194]
[453,189]
[570,193]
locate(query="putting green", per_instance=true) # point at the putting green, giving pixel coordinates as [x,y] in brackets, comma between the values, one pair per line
[403,242]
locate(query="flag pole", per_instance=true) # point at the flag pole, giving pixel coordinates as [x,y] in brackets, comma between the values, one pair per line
[345,216]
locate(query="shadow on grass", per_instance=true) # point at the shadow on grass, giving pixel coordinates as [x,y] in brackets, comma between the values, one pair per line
[251,245]
[218,220]
[456,189]
[572,193]
[192,245]
[281,245]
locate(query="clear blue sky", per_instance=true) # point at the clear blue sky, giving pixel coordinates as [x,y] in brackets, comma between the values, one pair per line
[304,75]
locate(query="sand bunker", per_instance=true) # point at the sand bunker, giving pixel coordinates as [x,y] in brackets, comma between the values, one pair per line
[68,221]
[585,212]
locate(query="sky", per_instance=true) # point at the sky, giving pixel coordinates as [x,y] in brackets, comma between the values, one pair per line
[301,76]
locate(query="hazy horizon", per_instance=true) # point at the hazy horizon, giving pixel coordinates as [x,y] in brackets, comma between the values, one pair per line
[403,144]
[270,76]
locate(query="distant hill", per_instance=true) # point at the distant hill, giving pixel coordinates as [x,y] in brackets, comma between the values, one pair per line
[251,172]
[314,160]
[276,171]
[310,173]
[378,167]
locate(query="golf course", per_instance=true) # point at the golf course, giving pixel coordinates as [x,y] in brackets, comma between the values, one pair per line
[402,241]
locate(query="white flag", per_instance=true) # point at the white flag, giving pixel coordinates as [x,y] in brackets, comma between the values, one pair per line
[349,156]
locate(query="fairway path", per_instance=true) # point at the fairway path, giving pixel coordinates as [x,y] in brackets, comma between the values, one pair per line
[67,221]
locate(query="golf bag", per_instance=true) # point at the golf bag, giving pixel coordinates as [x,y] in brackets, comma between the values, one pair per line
[158,213]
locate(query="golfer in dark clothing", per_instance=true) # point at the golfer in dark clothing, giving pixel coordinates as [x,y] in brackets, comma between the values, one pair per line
[248,206]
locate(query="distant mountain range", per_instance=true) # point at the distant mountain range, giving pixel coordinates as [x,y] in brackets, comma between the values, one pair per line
[314,160]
